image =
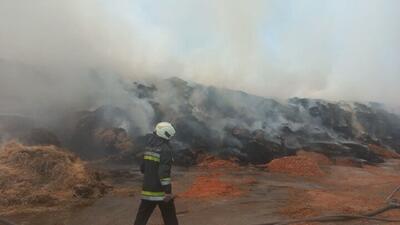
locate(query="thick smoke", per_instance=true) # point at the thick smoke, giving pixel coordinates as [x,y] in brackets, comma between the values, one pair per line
[338,50]
[58,56]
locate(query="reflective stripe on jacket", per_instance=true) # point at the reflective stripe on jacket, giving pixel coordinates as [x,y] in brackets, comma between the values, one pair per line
[156,167]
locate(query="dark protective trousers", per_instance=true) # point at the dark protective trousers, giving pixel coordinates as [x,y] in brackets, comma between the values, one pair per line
[167,209]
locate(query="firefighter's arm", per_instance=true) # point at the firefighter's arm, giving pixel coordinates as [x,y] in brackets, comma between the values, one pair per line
[164,170]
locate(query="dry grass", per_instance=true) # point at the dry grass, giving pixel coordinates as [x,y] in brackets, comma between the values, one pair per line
[39,175]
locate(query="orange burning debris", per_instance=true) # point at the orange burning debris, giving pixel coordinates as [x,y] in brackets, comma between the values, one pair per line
[296,165]
[211,186]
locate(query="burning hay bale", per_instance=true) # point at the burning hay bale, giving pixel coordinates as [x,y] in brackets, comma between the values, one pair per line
[41,175]
[256,147]
[345,149]
[102,133]
[113,140]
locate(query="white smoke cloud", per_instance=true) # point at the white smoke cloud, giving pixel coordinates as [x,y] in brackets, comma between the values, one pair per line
[54,54]
[339,50]
[59,57]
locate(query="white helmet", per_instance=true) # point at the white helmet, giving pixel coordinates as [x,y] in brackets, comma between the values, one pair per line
[165,130]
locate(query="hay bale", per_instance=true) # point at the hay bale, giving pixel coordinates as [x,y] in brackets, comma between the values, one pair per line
[112,140]
[40,175]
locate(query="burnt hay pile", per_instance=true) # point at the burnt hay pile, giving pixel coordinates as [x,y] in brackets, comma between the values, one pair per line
[43,175]
[216,121]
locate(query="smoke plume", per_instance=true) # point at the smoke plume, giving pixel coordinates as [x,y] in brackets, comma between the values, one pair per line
[59,56]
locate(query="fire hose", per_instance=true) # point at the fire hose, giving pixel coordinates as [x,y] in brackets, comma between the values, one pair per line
[391,204]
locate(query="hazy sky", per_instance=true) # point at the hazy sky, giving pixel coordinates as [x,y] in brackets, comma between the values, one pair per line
[334,49]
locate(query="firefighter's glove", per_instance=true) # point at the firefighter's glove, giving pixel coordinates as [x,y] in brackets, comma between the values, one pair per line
[168,197]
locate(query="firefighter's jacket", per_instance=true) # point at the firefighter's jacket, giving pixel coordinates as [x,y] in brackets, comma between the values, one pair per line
[156,167]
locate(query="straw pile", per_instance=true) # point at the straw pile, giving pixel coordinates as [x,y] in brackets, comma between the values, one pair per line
[43,175]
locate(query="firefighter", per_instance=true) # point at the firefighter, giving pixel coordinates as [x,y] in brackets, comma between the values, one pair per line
[156,168]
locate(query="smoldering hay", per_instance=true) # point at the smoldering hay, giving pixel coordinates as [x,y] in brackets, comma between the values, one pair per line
[229,123]
[42,176]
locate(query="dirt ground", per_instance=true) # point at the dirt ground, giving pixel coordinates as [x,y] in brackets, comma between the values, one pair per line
[238,196]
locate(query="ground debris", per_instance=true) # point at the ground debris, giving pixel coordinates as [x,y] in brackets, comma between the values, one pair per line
[297,166]
[211,186]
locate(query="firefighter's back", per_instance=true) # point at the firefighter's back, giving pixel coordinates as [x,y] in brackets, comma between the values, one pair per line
[152,189]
